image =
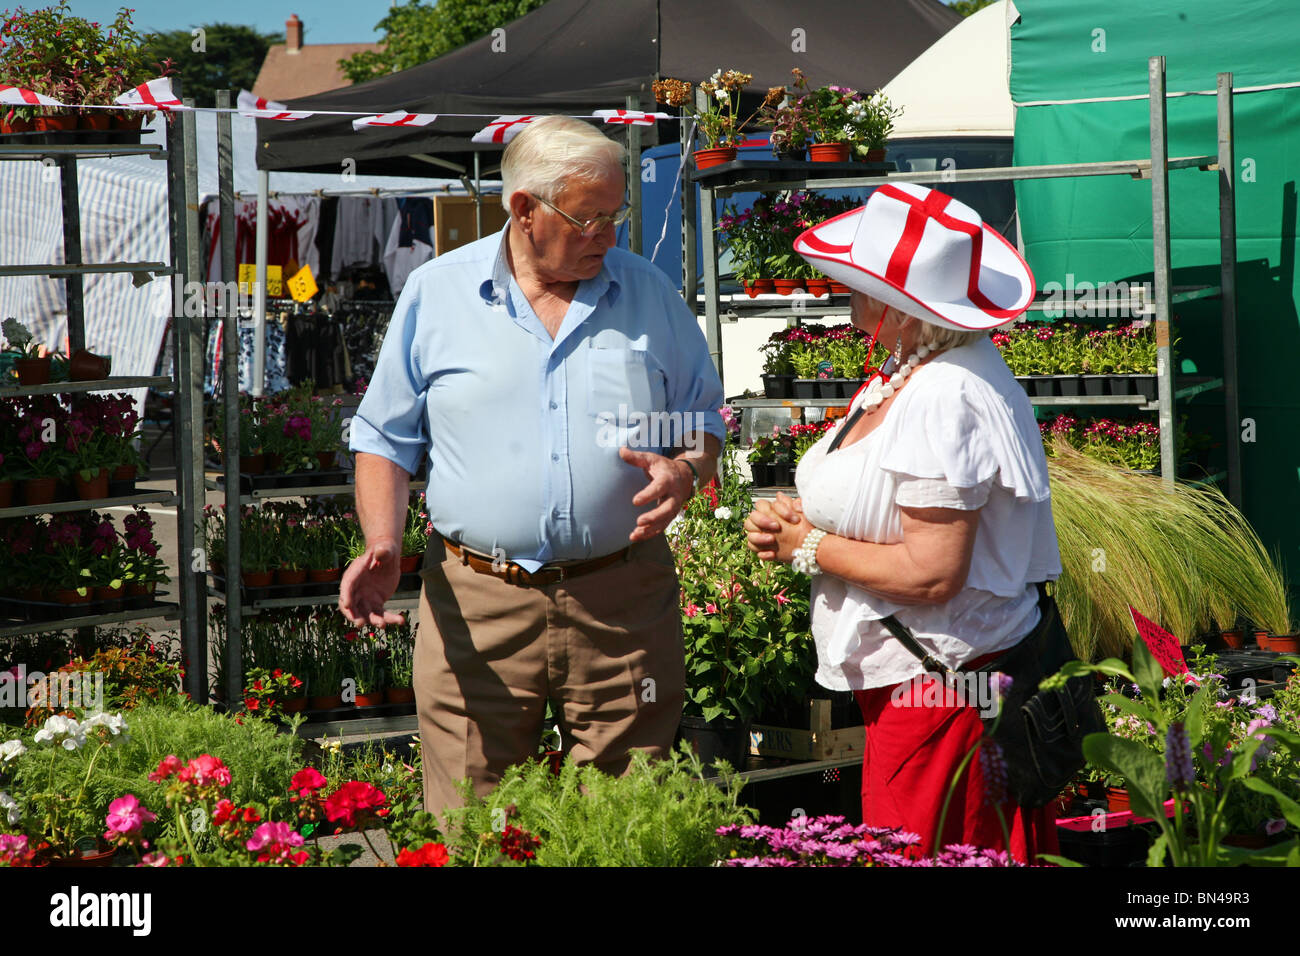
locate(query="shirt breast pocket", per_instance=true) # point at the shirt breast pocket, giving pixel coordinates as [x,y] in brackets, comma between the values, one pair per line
[626,378]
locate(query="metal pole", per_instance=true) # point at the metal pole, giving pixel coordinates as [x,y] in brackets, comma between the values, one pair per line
[75,290]
[634,177]
[690,267]
[1160,265]
[712,319]
[233,678]
[1228,284]
[259,290]
[478,198]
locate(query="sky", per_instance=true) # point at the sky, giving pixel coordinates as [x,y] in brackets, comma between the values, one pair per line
[326,21]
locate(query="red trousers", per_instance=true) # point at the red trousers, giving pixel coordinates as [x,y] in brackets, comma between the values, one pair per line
[911,755]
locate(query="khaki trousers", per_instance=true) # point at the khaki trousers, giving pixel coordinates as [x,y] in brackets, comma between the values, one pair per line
[606,647]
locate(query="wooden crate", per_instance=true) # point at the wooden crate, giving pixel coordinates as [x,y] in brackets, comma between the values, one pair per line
[815,742]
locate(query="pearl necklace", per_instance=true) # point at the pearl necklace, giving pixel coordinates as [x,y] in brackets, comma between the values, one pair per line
[879,389]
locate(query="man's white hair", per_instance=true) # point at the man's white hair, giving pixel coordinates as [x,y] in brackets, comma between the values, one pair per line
[553,152]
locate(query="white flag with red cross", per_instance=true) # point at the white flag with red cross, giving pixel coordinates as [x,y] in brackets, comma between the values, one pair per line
[154,95]
[630,117]
[397,119]
[250,105]
[17,96]
[502,129]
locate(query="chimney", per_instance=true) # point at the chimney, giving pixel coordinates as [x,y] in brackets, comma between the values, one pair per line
[293,33]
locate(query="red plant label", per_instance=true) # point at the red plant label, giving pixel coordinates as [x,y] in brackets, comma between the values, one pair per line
[1163,646]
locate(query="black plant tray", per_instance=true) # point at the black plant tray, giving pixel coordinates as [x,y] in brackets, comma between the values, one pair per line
[73,137]
[758,171]
[248,484]
[407,582]
[1237,666]
[17,611]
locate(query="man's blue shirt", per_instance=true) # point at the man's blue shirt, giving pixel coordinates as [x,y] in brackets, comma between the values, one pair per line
[522,431]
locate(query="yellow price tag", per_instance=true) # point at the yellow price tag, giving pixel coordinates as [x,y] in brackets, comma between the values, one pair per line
[248,275]
[302,286]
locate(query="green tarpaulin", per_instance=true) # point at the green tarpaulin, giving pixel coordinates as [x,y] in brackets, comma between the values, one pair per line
[1099,229]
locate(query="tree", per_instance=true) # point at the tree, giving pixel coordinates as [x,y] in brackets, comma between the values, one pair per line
[415,33]
[217,56]
[967,7]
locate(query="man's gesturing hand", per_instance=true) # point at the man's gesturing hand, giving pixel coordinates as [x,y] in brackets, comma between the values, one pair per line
[670,485]
[368,582]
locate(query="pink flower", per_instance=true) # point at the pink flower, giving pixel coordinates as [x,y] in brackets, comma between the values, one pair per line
[126,815]
[692,610]
[781,598]
[306,782]
[205,770]
[269,833]
[710,608]
[166,768]
[1274,827]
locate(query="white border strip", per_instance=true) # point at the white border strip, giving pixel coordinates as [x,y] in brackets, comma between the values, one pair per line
[1144,96]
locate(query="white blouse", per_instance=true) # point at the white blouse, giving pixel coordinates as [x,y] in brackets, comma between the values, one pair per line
[960,434]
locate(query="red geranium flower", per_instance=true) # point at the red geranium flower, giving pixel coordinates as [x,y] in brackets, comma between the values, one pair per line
[431,854]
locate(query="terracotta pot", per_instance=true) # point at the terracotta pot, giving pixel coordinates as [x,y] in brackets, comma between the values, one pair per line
[274,462]
[70,596]
[6,493]
[96,120]
[252,464]
[39,491]
[399,695]
[409,563]
[817,287]
[257,579]
[1261,637]
[86,366]
[290,576]
[106,593]
[715,156]
[326,702]
[56,122]
[295,705]
[1281,643]
[324,574]
[763,286]
[99,858]
[33,371]
[325,459]
[1117,799]
[134,589]
[838,288]
[876,155]
[1233,639]
[131,120]
[829,152]
[374,699]
[19,124]
[95,488]
[124,473]
[787,286]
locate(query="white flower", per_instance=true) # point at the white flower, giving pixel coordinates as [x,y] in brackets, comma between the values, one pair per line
[672,528]
[116,723]
[10,806]
[720,95]
[723,513]
[12,749]
[62,730]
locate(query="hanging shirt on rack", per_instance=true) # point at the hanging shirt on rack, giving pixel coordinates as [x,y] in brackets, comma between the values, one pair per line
[409,242]
[292,222]
[361,230]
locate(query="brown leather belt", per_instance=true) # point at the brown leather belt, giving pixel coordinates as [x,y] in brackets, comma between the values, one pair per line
[546,575]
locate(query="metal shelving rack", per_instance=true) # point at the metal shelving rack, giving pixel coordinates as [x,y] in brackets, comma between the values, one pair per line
[747,176]
[182,179]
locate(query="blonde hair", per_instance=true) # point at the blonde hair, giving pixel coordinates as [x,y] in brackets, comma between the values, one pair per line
[940,337]
[553,152]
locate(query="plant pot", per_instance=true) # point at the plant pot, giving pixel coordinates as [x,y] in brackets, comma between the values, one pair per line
[19,124]
[787,286]
[399,695]
[94,489]
[86,366]
[127,121]
[829,152]
[1094,384]
[790,155]
[1233,639]
[96,858]
[1260,638]
[326,460]
[1067,385]
[56,122]
[409,563]
[122,481]
[1117,799]
[838,288]
[1147,386]
[1120,385]
[326,702]
[782,474]
[763,286]
[318,575]
[1044,386]
[257,579]
[817,287]
[714,156]
[777,386]
[1281,643]
[71,596]
[33,371]
[375,699]
[714,739]
[106,593]
[6,493]
[294,705]
[805,388]
[762,472]
[274,462]
[252,464]
[875,155]
[290,575]
[40,491]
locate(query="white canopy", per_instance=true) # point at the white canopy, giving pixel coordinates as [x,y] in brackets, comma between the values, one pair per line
[959,86]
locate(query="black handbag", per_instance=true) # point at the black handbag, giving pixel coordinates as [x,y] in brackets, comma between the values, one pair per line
[1040,732]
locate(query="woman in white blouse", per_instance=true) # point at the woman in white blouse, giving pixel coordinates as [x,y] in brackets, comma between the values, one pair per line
[930,501]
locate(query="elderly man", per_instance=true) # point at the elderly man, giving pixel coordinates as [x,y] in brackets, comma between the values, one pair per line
[567,405]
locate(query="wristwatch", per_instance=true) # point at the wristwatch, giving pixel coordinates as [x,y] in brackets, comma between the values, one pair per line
[695,474]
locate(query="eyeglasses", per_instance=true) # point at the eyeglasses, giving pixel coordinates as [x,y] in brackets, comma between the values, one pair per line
[592,227]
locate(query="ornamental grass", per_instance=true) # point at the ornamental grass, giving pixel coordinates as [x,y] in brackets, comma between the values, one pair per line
[1185,558]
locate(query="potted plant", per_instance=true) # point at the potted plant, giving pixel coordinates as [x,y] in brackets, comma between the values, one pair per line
[717,121]
[367,671]
[400,663]
[848,124]
[761,455]
[258,557]
[32,367]
[326,431]
[778,371]
[91,453]
[142,569]
[788,117]
[415,536]
[320,550]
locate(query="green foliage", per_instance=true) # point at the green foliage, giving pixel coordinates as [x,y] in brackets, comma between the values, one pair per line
[415,33]
[967,7]
[660,813]
[226,56]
